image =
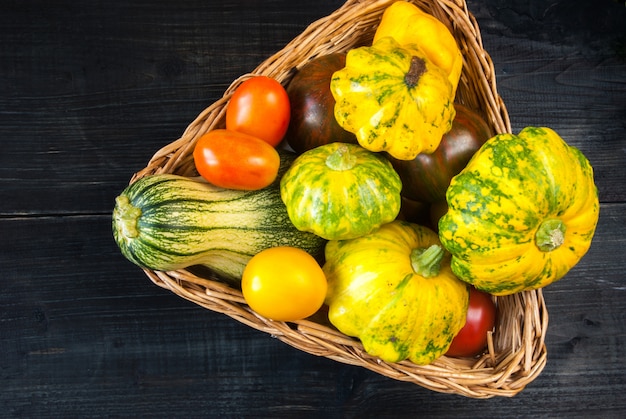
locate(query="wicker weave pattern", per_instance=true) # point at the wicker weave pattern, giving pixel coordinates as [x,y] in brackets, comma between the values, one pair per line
[517,351]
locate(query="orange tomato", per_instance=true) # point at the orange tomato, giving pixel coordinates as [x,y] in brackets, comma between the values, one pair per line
[234,160]
[260,107]
[284,284]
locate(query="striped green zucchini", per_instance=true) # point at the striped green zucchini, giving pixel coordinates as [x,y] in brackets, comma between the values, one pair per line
[166,222]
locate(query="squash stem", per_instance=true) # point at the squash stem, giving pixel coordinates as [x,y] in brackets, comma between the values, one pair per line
[126,216]
[427,261]
[550,235]
[341,159]
[416,69]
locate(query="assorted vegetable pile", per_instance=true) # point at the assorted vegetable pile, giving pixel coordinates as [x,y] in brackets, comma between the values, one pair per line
[400,213]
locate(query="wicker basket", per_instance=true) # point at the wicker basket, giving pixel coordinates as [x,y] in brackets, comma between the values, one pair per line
[516,351]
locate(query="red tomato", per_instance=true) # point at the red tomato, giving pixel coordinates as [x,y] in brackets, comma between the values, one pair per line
[481,318]
[260,107]
[234,160]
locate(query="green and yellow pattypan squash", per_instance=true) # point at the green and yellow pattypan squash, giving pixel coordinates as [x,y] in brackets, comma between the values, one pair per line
[340,191]
[521,214]
[394,290]
[393,98]
[408,24]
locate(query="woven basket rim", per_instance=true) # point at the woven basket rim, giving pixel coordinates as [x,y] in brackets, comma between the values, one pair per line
[516,352]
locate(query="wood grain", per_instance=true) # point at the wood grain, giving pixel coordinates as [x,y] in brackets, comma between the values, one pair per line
[90,90]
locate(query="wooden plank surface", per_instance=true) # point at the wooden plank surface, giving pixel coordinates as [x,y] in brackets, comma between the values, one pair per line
[90,90]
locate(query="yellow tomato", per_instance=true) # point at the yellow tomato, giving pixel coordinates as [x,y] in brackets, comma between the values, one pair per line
[284,284]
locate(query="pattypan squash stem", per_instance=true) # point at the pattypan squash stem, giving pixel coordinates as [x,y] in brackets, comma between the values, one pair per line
[341,159]
[550,235]
[427,261]
[417,68]
[126,216]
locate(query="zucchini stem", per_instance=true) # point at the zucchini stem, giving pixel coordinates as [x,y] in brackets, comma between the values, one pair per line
[126,216]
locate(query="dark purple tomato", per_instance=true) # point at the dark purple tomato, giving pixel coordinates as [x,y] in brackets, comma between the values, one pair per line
[312,105]
[426,178]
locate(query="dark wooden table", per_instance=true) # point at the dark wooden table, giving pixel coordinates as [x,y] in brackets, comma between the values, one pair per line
[89,90]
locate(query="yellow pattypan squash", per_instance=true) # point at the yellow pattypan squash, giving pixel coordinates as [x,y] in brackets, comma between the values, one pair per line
[408,24]
[393,99]
[521,213]
[394,290]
